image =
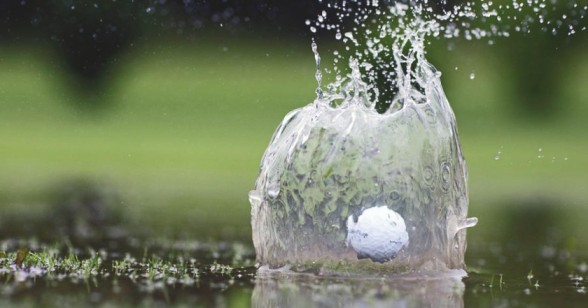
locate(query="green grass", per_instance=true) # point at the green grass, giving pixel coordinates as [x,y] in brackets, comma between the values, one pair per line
[190,273]
[186,127]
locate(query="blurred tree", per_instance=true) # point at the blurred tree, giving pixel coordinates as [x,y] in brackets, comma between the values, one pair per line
[530,61]
[90,36]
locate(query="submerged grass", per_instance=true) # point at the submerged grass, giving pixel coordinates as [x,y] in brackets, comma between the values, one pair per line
[168,272]
[184,273]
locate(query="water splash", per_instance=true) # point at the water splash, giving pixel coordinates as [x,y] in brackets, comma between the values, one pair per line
[371,176]
[318,75]
[388,38]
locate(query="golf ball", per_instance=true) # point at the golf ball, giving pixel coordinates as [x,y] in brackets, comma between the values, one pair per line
[379,233]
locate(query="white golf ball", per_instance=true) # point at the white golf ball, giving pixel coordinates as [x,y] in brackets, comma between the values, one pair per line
[379,233]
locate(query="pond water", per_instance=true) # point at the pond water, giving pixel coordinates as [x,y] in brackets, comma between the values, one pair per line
[530,254]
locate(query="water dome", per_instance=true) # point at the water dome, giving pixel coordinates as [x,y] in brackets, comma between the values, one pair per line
[345,184]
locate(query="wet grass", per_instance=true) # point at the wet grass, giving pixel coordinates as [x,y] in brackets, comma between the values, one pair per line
[158,271]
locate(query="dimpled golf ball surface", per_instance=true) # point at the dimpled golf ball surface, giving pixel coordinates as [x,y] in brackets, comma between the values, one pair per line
[378,233]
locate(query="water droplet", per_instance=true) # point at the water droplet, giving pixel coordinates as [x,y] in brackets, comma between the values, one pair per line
[445,176]
[472,76]
[498,154]
[540,154]
[394,195]
[254,198]
[273,191]
[583,267]
[318,75]
[467,223]
[429,175]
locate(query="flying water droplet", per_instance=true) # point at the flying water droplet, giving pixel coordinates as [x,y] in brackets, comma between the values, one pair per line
[498,154]
[467,223]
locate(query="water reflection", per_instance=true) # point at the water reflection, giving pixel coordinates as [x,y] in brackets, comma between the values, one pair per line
[313,291]
[526,252]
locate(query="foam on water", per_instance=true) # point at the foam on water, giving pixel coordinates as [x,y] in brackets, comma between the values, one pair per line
[371,176]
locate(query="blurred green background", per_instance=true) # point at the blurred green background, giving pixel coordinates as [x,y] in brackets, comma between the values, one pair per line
[175,123]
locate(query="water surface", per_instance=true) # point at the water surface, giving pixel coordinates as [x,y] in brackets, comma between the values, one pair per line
[522,253]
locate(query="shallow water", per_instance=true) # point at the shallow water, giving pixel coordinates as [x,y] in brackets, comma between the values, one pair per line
[533,253]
